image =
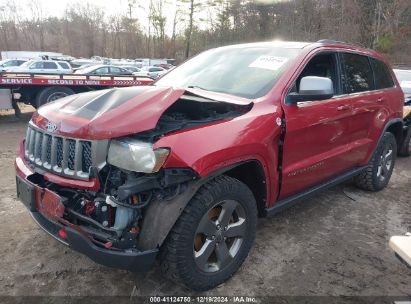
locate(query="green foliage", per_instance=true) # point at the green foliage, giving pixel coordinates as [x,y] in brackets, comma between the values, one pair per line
[386,43]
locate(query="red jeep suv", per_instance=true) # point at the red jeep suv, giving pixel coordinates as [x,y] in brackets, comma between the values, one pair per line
[182,169]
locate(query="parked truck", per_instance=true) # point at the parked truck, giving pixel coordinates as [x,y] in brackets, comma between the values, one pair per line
[37,90]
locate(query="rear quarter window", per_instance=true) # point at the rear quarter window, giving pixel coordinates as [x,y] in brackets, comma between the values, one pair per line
[382,75]
[358,73]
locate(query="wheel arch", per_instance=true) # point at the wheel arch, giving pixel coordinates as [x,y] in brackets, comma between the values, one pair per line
[161,216]
[251,173]
[396,127]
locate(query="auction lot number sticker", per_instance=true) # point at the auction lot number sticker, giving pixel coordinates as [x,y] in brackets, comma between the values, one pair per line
[203,299]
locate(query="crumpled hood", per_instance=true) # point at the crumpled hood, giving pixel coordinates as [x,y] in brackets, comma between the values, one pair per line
[112,113]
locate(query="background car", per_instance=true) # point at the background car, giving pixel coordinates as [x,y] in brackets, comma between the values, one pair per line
[9,63]
[132,69]
[42,67]
[404,78]
[103,70]
[151,71]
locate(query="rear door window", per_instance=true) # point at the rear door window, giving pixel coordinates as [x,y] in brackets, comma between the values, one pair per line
[50,65]
[382,75]
[102,71]
[114,70]
[64,65]
[358,73]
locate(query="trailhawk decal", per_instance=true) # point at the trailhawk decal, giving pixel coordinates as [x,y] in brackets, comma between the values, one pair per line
[306,170]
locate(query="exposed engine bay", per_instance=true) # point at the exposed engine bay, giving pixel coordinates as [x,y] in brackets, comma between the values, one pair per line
[191,111]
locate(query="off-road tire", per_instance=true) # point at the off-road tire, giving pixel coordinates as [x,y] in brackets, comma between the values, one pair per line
[50,94]
[177,253]
[368,179]
[405,149]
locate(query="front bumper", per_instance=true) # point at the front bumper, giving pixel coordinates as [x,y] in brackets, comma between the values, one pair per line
[129,260]
[47,209]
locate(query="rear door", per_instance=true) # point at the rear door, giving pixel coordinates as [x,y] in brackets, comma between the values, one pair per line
[316,132]
[367,83]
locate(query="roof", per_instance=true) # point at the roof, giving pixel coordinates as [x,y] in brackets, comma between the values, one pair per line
[275,43]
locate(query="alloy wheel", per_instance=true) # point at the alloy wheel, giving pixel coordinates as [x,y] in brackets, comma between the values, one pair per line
[219,236]
[386,161]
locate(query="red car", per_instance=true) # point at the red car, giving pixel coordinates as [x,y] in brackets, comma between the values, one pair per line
[182,169]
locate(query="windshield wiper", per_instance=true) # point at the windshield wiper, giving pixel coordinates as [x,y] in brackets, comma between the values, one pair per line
[197,87]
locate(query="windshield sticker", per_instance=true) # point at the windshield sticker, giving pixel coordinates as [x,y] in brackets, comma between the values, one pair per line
[405,84]
[268,62]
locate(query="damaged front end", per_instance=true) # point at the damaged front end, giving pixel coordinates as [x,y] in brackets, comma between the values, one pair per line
[114,216]
[115,198]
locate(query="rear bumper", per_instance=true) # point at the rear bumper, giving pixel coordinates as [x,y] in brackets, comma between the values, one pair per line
[46,208]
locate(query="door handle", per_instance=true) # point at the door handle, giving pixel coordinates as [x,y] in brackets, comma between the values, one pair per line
[343,108]
[381,99]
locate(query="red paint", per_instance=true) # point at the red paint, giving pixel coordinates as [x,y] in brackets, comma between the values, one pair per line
[63,234]
[92,185]
[8,79]
[320,141]
[49,203]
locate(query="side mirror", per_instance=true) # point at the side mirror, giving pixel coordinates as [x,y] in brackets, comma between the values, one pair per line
[312,88]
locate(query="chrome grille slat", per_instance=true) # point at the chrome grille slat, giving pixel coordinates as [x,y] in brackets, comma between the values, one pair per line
[65,153]
[53,151]
[78,156]
[62,155]
[44,150]
[31,145]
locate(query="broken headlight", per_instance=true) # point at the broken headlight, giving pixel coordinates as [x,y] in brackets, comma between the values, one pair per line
[135,155]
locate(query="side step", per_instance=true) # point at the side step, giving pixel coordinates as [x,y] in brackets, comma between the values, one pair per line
[292,200]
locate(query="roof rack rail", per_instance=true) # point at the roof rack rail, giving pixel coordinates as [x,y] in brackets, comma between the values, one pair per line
[331,41]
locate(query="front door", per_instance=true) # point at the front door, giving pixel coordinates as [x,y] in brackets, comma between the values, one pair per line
[316,132]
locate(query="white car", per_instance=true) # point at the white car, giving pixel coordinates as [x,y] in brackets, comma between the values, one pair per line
[42,67]
[151,71]
[9,63]
[404,78]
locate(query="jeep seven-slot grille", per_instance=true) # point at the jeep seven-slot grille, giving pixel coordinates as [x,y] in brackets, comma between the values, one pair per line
[61,155]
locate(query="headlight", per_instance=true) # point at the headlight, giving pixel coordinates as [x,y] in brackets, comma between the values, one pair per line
[135,155]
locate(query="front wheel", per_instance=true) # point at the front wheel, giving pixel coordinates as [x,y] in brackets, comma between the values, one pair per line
[379,170]
[213,235]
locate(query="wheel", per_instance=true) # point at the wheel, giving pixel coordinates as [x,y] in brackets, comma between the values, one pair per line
[405,149]
[50,94]
[213,235]
[379,170]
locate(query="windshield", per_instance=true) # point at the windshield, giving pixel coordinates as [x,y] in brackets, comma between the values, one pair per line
[90,69]
[7,63]
[248,72]
[26,64]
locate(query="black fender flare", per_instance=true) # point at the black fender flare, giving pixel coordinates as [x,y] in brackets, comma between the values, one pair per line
[160,216]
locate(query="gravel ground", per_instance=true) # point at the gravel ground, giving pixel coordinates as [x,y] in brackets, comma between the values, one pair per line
[333,244]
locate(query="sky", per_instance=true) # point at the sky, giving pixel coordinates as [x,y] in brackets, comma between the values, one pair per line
[56,8]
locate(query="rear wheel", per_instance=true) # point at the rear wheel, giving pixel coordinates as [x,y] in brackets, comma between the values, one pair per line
[405,149]
[379,170]
[51,94]
[213,235]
